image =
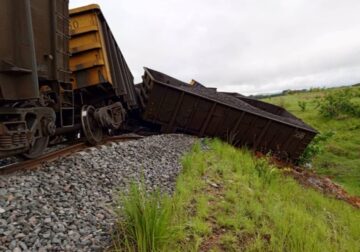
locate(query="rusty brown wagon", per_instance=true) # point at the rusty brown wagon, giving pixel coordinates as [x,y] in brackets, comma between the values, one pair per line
[175,106]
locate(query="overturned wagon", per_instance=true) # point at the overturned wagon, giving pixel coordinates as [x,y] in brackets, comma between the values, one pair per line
[175,106]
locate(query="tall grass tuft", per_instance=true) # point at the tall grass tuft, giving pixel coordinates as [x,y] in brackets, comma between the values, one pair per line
[144,221]
[265,171]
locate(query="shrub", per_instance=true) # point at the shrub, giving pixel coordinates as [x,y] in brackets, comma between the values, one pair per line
[316,89]
[339,103]
[317,102]
[302,105]
[144,221]
[315,147]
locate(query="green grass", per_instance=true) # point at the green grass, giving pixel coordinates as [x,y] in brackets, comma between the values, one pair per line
[227,200]
[341,156]
[242,203]
[144,221]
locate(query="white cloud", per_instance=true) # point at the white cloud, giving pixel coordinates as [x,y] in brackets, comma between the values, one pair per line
[247,46]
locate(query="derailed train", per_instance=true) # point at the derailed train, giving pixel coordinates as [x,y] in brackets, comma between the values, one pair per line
[59,80]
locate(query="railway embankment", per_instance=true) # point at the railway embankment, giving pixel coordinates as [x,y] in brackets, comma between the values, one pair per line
[68,205]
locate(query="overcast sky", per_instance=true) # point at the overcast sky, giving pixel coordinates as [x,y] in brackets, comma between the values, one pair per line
[245,46]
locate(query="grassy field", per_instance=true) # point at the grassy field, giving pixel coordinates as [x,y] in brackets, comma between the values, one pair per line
[341,156]
[227,200]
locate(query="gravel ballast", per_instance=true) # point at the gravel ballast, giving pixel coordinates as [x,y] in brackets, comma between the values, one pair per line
[68,205]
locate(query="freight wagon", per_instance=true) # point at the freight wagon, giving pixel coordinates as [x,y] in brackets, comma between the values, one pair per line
[100,74]
[175,106]
[96,60]
[35,91]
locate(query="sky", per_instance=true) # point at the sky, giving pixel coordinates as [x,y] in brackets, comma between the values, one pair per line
[244,46]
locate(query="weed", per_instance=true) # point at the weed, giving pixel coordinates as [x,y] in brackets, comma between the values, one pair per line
[316,147]
[317,102]
[265,172]
[144,221]
[229,242]
[302,105]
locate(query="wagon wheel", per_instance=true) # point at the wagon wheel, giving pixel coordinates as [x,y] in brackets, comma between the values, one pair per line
[92,130]
[39,144]
[37,148]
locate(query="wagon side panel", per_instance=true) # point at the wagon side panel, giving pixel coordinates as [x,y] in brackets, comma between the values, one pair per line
[178,107]
[96,57]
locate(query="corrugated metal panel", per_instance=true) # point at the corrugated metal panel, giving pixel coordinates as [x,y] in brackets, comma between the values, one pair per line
[34,48]
[51,30]
[96,57]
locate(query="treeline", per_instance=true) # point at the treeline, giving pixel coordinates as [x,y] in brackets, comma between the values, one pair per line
[296,91]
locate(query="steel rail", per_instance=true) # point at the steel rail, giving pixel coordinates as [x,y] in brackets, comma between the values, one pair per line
[33,164]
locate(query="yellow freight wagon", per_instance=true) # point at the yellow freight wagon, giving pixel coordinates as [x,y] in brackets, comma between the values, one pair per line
[96,58]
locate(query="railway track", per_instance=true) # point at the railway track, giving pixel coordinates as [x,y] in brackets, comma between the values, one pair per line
[32,164]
